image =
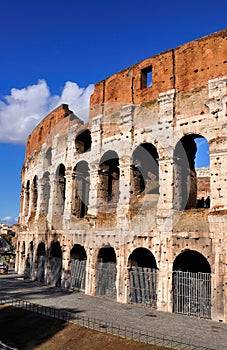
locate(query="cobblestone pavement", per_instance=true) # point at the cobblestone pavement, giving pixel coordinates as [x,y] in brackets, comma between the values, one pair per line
[188,329]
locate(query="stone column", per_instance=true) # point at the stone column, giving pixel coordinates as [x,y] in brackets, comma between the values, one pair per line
[51,208]
[90,285]
[124,186]
[122,275]
[164,278]
[93,192]
[126,128]
[68,193]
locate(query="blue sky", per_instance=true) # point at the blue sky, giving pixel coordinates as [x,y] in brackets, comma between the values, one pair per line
[54,51]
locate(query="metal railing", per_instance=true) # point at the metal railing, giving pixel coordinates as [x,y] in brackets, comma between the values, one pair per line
[6,347]
[154,338]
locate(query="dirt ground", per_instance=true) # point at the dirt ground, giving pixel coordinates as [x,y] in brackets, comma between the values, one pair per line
[25,330]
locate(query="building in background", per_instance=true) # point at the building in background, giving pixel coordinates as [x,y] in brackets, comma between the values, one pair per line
[114,207]
[8,241]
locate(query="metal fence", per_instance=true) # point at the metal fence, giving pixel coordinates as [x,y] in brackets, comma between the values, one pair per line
[6,347]
[192,293]
[154,338]
[78,274]
[143,286]
[106,279]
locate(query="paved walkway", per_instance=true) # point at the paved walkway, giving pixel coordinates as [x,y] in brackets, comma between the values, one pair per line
[202,332]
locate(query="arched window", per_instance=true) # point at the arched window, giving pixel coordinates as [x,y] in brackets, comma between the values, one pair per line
[145,170]
[83,141]
[34,194]
[60,190]
[109,178]
[186,155]
[81,189]
[27,198]
[48,158]
[45,198]
[40,133]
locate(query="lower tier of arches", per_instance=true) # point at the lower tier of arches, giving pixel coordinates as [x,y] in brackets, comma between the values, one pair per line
[188,285]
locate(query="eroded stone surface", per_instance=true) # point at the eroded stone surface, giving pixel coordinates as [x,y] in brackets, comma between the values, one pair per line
[127,180]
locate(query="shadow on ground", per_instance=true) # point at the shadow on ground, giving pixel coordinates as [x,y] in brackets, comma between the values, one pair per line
[24,330]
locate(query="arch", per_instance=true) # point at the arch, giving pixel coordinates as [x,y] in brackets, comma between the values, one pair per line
[31,247]
[23,248]
[55,263]
[41,262]
[83,141]
[34,194]
[191,261]
[143,277]
[40,133]
[78,253]
[78,259]
[41,249]
[55,250]
[142,257]
[29,261]
[106,272]
[109,178]
[145,169]
[48,158]
[27,198]
[80,189]
[185,177]
[60,189]
[191,283]
[45,195]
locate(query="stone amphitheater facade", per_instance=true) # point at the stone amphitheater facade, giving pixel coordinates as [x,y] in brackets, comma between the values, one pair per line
[112,207]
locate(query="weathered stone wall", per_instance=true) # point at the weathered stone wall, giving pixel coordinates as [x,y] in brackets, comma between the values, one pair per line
[134,190]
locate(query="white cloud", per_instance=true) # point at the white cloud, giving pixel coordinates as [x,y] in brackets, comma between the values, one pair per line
[24,108]
[9,220]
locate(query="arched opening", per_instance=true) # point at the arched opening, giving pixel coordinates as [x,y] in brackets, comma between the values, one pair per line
[83,141]
[48,158]
[145,170]
[29,261]
[60,190]
[40,134]
[41,262]
[81,189]
[27,198]
[55,263]
[34,195]
[186,155]
[45,196]
[106,273]
[142,273]
[109,178]
[78,259]
[192,284]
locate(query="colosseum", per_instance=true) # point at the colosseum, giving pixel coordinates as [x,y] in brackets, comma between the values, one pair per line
[117,207]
